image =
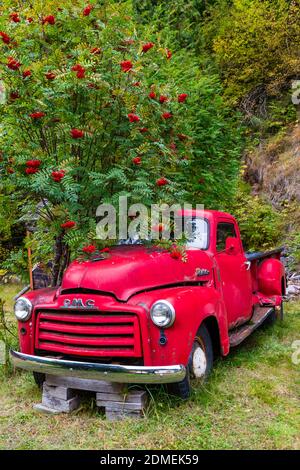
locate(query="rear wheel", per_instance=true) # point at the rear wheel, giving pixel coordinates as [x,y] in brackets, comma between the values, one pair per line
[275,315]
[199,366]
[281,313]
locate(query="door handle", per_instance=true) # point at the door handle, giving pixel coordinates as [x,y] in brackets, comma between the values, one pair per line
[247,264]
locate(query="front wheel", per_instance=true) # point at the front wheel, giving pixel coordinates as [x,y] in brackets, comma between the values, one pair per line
[39,378]
[199,366]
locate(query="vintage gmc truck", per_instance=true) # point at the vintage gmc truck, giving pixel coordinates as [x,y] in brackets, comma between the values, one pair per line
[137,315]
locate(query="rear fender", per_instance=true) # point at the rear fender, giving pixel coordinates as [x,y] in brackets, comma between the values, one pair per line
[271,277]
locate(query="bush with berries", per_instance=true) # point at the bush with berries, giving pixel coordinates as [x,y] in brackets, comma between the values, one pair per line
[95,110]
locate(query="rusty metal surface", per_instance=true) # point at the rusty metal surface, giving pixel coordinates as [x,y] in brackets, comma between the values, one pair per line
[238,335]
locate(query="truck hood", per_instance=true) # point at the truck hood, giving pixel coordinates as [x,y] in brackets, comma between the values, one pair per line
[127,270]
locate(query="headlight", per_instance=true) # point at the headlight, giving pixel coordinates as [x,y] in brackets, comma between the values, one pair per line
[23,308]
[162,313]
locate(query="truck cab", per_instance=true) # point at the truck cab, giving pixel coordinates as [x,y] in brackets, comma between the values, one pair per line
[138,315]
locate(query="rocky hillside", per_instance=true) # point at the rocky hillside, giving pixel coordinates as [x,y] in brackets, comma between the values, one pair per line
[273,171]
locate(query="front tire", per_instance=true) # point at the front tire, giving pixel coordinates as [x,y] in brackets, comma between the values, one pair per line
[39,378]
[199,366]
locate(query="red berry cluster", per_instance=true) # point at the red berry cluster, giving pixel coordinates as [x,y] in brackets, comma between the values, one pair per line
[162,181]
[57,176]
[37,115]
[146,47]
[32,166]
[79,69]
[68,225]
[13,64]
[137,160]
[133,117]
[87,10]
[15,17]
[50,75]
[26,73]
[49,19]
[89,249]
[126,65]
[76,133]
[5,38]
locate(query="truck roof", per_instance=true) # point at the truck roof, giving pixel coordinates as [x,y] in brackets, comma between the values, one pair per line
[209,214]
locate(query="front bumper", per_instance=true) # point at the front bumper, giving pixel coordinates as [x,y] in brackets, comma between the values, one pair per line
[106,372]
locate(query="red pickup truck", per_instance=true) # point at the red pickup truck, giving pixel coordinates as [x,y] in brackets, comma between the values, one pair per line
[137,315]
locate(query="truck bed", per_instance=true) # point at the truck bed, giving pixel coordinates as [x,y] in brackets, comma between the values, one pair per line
[264,254]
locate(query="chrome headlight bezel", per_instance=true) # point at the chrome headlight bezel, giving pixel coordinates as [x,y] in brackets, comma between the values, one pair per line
[25,308]
[169,313]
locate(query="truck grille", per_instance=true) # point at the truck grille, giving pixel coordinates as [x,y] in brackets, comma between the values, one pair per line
[89,333]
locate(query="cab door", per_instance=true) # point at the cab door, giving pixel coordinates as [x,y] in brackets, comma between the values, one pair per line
[235,275]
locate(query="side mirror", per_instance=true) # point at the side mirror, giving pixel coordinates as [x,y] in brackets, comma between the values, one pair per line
[232,246]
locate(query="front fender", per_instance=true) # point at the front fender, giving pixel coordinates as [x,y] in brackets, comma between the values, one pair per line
[193,305]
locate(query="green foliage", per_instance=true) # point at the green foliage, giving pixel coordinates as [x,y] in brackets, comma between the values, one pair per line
[291,218]
[17,263]
[8,207]
[256,44]
[99,165]
[295,249]
[7,340]
[96,99]
[3,253]
[217,143]
[179,21]
[11,232]
[5,220]
[280,113]
[259,223]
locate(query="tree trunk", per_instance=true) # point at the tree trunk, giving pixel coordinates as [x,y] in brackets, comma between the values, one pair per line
[61,260]
[65,260]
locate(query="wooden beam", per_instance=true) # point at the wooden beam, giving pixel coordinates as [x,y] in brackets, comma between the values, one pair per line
[29,262]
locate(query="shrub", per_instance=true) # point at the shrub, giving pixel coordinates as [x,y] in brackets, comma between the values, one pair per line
[260,224]
[16,262]
[83,122]
[8,339]
[295,249]
[180,21]
[256,45]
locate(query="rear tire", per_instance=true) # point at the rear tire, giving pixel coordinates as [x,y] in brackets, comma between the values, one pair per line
[199,366]
[275,316]
[281,314]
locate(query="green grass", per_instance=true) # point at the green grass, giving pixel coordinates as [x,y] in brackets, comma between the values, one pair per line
[251,401]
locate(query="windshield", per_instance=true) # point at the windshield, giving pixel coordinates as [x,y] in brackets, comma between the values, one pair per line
[197,233]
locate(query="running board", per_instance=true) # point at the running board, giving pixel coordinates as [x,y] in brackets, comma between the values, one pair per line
[239,334]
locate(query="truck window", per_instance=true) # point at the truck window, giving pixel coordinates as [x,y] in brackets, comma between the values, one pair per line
[197,232]
[224,230]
